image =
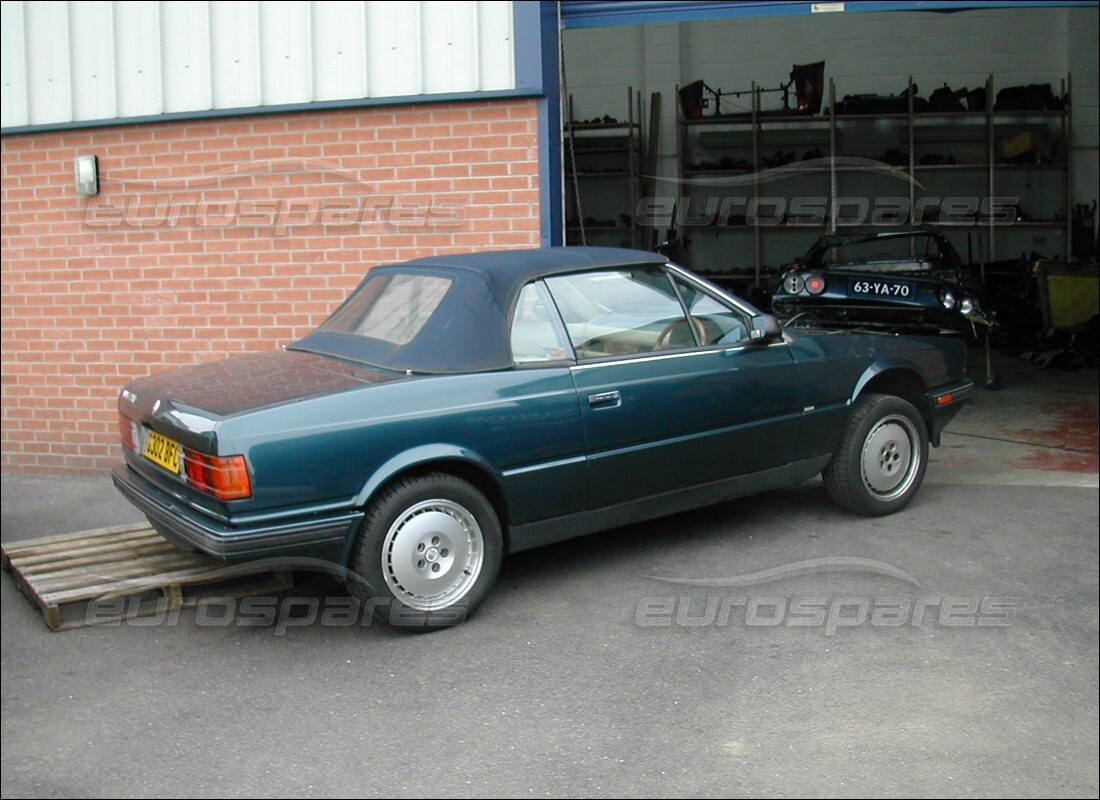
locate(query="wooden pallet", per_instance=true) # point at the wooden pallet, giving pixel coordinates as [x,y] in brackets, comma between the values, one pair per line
[70,575]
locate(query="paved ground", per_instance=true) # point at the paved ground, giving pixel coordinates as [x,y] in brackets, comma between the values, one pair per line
[773,646]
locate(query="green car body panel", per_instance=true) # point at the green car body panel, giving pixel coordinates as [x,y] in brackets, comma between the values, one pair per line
[561,449]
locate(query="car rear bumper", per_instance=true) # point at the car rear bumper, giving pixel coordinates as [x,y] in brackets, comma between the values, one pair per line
[944,403]
[899,318]
[315,536]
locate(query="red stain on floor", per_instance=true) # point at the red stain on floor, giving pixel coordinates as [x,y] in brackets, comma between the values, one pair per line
[1059,461]
[1068,440]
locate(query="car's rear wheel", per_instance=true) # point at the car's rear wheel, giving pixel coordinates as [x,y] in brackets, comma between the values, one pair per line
[428,552]
[880,462]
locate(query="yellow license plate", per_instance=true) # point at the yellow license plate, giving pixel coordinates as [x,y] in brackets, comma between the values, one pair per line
[162,450]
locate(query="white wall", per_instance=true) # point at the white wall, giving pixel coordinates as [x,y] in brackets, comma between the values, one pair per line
[101,60]
[863,52]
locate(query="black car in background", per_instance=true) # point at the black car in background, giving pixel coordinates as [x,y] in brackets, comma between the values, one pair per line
[907,280]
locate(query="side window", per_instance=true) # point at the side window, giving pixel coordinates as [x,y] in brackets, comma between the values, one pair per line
[714,321]
[621,312]
[536,333]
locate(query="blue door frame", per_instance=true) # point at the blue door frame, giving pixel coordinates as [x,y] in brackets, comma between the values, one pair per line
[602,13]
[538,73]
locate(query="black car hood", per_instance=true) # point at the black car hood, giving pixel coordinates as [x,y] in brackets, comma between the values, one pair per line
[242,383]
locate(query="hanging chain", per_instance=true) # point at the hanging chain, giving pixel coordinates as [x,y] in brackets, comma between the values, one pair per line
[572,145]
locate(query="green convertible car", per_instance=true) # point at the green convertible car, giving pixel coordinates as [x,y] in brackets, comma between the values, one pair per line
[457,408]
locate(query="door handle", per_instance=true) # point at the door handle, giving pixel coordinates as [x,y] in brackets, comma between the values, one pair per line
[605,399]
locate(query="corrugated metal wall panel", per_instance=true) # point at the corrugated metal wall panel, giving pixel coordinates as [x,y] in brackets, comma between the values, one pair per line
[13,65]
[97,60]
[185,34]
[339,50]
[92,37]
[393,57]
[449,43]
[138,68]
[49,80]
[235,53]
[497,67]
[286,52]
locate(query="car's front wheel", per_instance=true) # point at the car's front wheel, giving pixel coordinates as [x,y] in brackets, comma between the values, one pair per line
[879,464]
[428,552]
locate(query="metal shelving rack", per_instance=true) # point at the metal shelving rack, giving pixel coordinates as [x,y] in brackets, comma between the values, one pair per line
[621,148]
[997,124]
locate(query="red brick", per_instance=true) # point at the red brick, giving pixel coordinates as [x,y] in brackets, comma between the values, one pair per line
[182,257]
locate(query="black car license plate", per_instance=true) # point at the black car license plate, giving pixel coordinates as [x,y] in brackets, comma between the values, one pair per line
[886,289]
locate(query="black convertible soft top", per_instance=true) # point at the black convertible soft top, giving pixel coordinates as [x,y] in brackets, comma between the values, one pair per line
[468,332]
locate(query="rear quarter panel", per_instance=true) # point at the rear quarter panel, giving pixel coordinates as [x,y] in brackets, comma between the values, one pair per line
[521,426]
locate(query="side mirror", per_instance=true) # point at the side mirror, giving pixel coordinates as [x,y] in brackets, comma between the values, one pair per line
[765,328]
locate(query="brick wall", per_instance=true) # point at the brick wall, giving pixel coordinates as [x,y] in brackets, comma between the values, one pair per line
[215,237]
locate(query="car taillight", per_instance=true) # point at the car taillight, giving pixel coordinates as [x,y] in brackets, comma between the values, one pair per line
[793,283]
[225,477]
[127,430]
[815,284]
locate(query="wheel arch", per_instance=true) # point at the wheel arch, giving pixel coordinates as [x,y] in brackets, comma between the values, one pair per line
[451,459]
[900,380]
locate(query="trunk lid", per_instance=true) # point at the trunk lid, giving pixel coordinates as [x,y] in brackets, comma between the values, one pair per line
[191,399]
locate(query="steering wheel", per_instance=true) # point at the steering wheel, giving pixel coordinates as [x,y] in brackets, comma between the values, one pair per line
[664,337]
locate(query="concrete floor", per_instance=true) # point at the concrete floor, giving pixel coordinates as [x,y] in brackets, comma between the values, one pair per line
[772,646]
[1041,430]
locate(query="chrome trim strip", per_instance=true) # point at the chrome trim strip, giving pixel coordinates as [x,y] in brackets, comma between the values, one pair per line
[711,350]
[711,288]
[561,462]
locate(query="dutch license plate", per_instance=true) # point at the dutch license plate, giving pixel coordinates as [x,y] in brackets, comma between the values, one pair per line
[162,450]
[882,288]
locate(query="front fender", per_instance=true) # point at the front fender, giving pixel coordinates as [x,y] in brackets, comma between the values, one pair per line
[903,380]
[883,367]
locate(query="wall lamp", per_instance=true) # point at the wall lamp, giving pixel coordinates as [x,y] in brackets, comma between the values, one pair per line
[86,171]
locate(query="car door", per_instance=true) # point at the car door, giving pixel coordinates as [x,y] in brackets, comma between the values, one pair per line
[541,419]
[671,401]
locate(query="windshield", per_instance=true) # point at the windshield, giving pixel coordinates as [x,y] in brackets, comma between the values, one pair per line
[886,254]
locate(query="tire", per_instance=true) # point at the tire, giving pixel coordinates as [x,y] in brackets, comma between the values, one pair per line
[427,553]
[879,464]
